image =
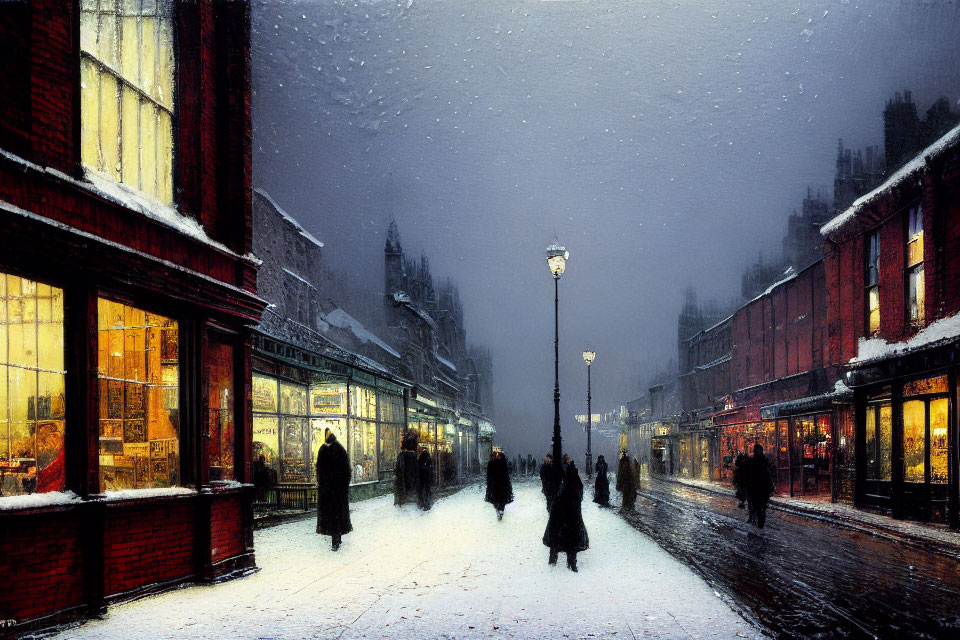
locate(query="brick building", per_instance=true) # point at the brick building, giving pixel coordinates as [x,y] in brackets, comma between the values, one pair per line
[317,366]
[126,287]
[892,264]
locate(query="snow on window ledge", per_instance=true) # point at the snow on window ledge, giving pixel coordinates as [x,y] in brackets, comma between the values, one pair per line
[220,485]
[869,349]
[134,199]
[135,494]
[38,500]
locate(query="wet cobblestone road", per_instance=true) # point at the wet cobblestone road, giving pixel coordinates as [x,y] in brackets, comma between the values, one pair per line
[801,577]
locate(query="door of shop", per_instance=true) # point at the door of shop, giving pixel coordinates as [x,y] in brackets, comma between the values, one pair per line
[811,456]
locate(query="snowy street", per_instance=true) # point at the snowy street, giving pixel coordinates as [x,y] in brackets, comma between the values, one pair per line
[453,572]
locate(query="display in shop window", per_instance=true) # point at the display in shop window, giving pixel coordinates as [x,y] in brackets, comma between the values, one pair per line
[139,441]
[31,387]
[265,393]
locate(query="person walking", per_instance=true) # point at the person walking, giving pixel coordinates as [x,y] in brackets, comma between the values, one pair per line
[333,490]
[601,488]
[739,471]
[424,480]
[565,529]
[405,473]
[626,483]
[547,480]
[759,485]
[499,489]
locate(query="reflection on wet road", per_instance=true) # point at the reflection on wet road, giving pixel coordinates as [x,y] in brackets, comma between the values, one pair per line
[804,578]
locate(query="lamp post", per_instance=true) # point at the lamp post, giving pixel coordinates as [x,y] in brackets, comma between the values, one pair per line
[557,261]
[588,357]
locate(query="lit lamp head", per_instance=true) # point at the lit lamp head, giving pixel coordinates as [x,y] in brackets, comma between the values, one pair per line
[588,356]
[557,259]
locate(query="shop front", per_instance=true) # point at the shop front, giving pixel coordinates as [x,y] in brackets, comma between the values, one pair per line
[665,449]
[906,439]
[293,406]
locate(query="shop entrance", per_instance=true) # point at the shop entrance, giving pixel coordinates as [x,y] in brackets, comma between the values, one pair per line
[811,456]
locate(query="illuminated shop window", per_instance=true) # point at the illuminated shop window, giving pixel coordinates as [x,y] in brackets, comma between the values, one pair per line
[915,281]
[391,427]
[925,417]
[294,434]
[328,410]
[363,431]
[873,283]
[220,413]
[126,92]
[914,440]
[139,369]
[266,422]
[31,387]
[879,438]
[938,440]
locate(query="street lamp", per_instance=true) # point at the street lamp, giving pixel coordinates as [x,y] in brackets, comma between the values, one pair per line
[557,261]
[588,356]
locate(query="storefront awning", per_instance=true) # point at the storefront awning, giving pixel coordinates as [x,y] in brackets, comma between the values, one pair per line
[810,404]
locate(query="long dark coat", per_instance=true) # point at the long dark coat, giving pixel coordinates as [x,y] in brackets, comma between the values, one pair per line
[405,477]
[424,481]
[499,489]
[565,529]
[333,489]
[757,479]
[601,488]
[627,482]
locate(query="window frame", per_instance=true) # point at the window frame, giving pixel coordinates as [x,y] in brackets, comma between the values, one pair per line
[914,279]
[173,112]
[872,284]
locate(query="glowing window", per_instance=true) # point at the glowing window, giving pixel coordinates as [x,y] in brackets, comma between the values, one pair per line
[220,415]
[139,372]
[31,387]
[873,283]
[126,92]
[915,279]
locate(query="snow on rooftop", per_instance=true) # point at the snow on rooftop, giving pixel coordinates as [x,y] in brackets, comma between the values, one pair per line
[299,277]
[869,349]
[306,234]
[444,361]
[897,178]
[36,500]
[343,320]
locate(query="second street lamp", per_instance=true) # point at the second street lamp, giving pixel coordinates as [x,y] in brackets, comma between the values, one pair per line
[557,261]
[588,357]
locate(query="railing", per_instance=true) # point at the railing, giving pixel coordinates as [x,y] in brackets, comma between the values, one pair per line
[286,496]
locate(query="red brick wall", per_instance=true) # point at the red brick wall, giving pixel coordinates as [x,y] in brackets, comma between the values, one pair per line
[41,560]
[937,188]
[148,544]
[782,333]
[204,161]
[226,528]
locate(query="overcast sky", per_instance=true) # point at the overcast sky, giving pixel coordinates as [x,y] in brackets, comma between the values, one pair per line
[663,143]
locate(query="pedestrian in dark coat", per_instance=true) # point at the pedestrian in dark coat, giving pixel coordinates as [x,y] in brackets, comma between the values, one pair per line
[424,480]
[333,489]
[405,473]
[759,485]
[499,489]
[739,471]
[626,482]
[548,483]
[601,488]
[565,529]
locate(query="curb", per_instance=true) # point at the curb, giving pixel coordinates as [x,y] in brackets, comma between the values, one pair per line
[947,548]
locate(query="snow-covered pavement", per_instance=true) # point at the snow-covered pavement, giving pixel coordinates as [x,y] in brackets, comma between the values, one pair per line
[453,572]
